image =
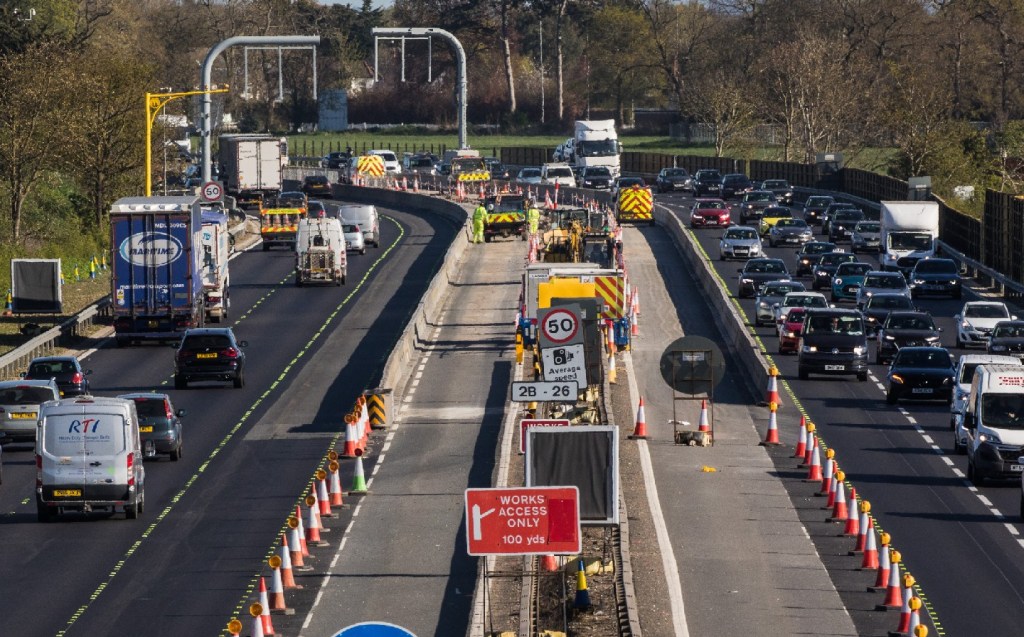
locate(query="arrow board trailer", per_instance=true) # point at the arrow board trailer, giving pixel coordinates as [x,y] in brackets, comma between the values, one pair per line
[545,391]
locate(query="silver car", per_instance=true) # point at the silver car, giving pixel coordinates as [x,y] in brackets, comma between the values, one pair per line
[354,240]
[19,407]
[770,296]
[866,237]
[740,242]
[878,282]
[528,176]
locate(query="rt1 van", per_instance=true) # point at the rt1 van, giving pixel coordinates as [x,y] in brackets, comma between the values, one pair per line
[994,420]
[365,216]
[89,458]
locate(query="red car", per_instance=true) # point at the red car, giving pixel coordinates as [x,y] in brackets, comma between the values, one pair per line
[710,213]
[789,331]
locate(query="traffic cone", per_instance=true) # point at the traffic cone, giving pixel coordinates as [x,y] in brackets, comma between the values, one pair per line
[549,563]
[416,183]
[841,512]
[300,530]
[256,611]
[313,522]
[234,628]
[335,491]
[826,480]
[9,307]
[612,372]
[582,601]
[277,604]
[287,576]
[358,479]
[364,416]
[268,626]
[323,500]
[295,544]
[870,560]
[852,527]
[905,611]
[351,449]
[640,431]
[884,564]
[772,435]
[634,324]
[915,616]
[893,594]
[801,441]
[636,302]
[814,467]
[812,442]
[862,528]
[703,423]
[773,386]
[405,183]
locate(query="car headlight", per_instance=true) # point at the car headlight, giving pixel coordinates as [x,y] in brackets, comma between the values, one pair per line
[966,325]
[998,348]
[990,438]
[789,333]
[746,281]
[809,349]
[931,339]
[889,338]
[868,294]
[918,281]
[820,273]
[763,305]
[805,261]
[859,349]
[755,248]
[896,378]
[838,281]
[955,281]
[946,382]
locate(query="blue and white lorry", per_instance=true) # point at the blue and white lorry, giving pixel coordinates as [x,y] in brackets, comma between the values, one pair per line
[156,274]
[216,242]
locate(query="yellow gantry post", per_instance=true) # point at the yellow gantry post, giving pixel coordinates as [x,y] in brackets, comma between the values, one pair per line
[155,102]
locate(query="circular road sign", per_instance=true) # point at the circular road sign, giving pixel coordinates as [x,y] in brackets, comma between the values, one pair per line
[560,326]
[212,191]
[374,629]
[692,365]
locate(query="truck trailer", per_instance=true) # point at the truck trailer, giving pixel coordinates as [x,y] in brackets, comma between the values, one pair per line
[252,166]
[216,244]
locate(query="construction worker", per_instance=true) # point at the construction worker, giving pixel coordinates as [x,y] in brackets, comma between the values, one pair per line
[532,216]
[478,223]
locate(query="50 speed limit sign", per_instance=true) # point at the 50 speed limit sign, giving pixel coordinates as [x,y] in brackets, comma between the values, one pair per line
[559,326]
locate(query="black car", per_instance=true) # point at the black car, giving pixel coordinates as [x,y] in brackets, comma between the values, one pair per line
[316,185]
[840,227]
[815,206]
[336,159]
[671,179]
[936,276]
[783,191]
[904,328]
[878,307]
[1007,338]
[316,209]
[497,169]
[596,177]
[707,182]
[826,267]
[66,371]
[809,254]
[209,353]
[759,271]
[830,212]
[752,205]
[922,373]
[159,424]
[833,342]
[735,184]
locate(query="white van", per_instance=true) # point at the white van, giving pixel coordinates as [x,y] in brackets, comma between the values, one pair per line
[995,423]
[391,163]
[89,457]
[962,390]
[557,173]
[320,252]
[365,216]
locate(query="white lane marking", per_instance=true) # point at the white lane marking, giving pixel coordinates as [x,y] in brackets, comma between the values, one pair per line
[419,374]
[957,472]
[937,449]
[984,500]
[1012,529]
[668,557]
[1021,542]
[997,513]
[928,439]
[415,383]
[880,386]
[947,460]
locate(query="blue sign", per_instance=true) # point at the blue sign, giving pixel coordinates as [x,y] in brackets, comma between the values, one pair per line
[374,629]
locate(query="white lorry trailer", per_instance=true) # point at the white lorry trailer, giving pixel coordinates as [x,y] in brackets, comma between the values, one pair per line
[594,143]
[909,231]
[320,252]
[216,242]
[252,166]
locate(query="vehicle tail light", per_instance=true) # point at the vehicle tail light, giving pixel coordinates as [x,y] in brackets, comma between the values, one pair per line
[183,323]
[77,377]
[213,298]
[39,470]
[230,352]
[131,474]
[167,411]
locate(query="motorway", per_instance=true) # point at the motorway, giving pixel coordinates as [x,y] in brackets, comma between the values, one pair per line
[212,518]
[962,543]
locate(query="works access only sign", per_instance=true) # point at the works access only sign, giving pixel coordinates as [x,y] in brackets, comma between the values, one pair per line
[523,521]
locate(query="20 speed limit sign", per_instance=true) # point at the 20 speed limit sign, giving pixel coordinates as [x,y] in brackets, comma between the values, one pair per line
[560,326]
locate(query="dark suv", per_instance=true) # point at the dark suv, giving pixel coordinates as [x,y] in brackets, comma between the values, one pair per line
[159,424]
[209,353]
[707,182]
[905,329]
[65,370]
[735,184]
[833,341]
[936,276]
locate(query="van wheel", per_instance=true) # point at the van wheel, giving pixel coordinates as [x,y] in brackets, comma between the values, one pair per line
[176,454]
[180,382]
[862,376]
[43,514]
[131,511]
[973,475]
[239,381]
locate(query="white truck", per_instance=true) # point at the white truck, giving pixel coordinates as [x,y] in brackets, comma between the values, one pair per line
[251,166]
[594,143]
[216,249]
[320,253]
[909,230]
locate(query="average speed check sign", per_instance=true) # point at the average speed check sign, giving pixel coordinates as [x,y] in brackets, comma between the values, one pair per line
[560,326]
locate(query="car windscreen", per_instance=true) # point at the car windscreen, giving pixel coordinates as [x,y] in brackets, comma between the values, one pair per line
[909,323]
[316,179]
[710,205]
[97,434]
[910,241]
[25,395]
[350,228]
[835,324]
[791,223]
[758,196]
[802,300]
[766,267]
[935,267]
[597,171]
[849,215]
[709,174]
[986,311]
[890,303]
[1003,411]
[836,259]
[741,234]
[818,248]
[1008,331]
[559,172]
[818,201]
[967,372]
[922,358]
[676,172]
[782,289]
[529,172]
[896,282]
[853,269]
[506,204]
[150,408]
[777,213]
[868,226]
[775,183]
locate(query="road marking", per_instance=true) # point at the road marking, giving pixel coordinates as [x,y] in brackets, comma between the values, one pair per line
[984,500]
[947,460]
[1012,529]
[928,439]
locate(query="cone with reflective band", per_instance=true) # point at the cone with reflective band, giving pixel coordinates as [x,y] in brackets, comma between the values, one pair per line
[884,564]
[864,523]
[827,487]
[549,563]
[812,443]
[852,527]
[870,560]
[801,441]
[915,616]
[703,424]
[322,499]
[612,372]
[295,543]
[640,431]
[351,449]
[358,479]
[313,523]
[582,601]
[840,512]
[285,553]
[814,467]
[893,593]
[773,387]
[268,626]
[634,324]
[336,495]
[772,435]
[905,610]
[364,416]
[300,529]
[277,603]
[256,611]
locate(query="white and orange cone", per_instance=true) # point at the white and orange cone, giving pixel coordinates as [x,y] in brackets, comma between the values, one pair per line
[884,565]
[827,487]
[893,593]
[285,553]
[771,437]
[337,498]
[773,386]
[862,528]
[814,467]
[840,513]
[268,625]
[323,499]
[870,561]
[640,430]
[301,531]
[812,443]
[277,603]
[313,523]
[801,441]
[905,610]
[295,543]
[256,610]
[703,424]
[351,449]
[852,527]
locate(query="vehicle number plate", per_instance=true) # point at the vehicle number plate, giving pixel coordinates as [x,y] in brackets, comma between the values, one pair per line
[1017,467]
[835,368]
[25,415]
[67,493]
[146,429]
[206,355]
[152,324]
[921,390]
[931,286]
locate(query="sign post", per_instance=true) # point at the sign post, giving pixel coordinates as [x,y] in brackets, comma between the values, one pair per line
[523,521]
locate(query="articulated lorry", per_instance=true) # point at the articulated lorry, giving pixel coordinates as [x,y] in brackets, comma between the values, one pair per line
[156,275]
[216,242]
[320,252]
[594,143]
[909,231]
[252,166]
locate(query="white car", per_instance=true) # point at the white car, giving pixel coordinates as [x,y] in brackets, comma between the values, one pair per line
[962,390]
[878,282]
[740,242]
[975,321]
[529,176]
[795,300]
[354,241]
[391,163]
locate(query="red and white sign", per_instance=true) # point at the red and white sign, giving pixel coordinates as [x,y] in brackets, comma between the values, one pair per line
[536,422]
[560,326]
[523,521]
[212,191]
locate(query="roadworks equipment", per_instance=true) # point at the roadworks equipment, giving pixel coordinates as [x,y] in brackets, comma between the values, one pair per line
[640,431]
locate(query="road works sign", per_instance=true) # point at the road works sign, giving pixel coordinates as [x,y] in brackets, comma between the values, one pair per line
[523,521]
[564,364]
[536,422]
[560,326]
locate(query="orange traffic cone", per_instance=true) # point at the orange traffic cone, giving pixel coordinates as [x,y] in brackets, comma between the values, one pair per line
[884,564]
[351,449]
[634,324]
[915,616]
[827,487]
[840,513]
[549,563]
[235,628]
[905,611]
[364,416]
[300,530]
[862,528]
[313,523]
[814,467]
[812,442]
[870,560]
[256,611]
[277,604]
[336,492]
[772,435]
[323,500]
[852,527]
[801,441]
[268,626]
[893,594]
[287,576]
[640,431]
[773,386]
[703,423]
[295,544]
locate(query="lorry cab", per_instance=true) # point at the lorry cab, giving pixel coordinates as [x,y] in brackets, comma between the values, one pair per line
[321,254]
[89,457]
[994,422]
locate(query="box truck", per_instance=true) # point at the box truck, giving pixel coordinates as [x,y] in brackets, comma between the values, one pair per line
[909,230]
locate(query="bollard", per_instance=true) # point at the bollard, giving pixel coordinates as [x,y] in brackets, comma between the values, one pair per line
[376,405]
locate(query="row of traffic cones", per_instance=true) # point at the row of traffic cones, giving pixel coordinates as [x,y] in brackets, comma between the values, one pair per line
[640,429]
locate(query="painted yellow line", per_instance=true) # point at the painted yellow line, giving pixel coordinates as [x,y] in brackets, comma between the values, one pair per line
[229,437]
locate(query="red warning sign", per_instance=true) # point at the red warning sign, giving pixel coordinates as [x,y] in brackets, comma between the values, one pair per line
[523,521]
[536,422]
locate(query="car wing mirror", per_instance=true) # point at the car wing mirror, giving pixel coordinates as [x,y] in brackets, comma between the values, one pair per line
[180,413]
[938,329]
